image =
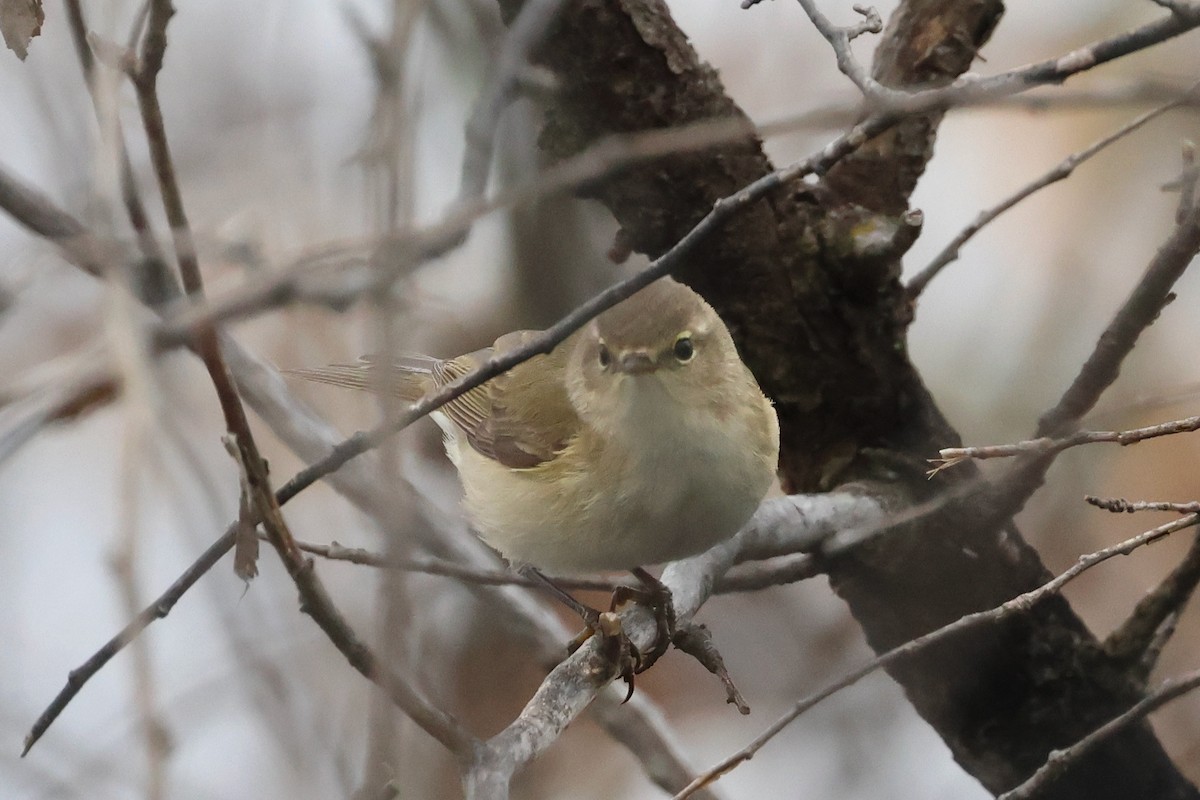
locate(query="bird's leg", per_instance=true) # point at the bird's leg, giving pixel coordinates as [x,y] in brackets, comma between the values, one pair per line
[657,597]
[607,625]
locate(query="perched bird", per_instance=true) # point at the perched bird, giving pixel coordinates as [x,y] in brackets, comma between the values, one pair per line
[642,438]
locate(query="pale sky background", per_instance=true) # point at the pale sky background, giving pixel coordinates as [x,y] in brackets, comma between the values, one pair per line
[266,105]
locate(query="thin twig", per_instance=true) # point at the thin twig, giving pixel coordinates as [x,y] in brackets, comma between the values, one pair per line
[130,353]
[748,578]
[1058,173]
[301,279]
[436,566]
[1060,760]
[547,340]
[839,39]
[952,456]
[1117,505]
[1018,604]
[38,213]
[1008,494]
[152,279]
[158,609]
[633,724]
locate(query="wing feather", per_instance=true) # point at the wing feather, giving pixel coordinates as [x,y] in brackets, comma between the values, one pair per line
[521,419]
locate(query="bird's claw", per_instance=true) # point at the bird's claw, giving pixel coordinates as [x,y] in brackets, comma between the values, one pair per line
[615,644]
[657,597]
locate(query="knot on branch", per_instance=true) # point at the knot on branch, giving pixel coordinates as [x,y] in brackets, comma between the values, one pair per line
[863,248]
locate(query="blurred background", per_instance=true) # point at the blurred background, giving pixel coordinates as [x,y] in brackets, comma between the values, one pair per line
[288,136]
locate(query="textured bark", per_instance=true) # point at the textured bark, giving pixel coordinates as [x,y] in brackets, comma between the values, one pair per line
[923,47]
[822,322]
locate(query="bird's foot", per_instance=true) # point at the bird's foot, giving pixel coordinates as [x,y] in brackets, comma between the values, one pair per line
[657,597]
[614,642]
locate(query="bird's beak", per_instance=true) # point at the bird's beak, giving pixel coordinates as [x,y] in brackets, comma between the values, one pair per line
[636,362]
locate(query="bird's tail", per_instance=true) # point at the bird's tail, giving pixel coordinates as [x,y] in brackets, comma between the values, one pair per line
[409,377]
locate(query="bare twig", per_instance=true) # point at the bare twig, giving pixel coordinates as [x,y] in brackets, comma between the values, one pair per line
[805,521]
[1141,308]
[1063,170]
[138,417]
[64,226]
[437,566]
[839,39]
[951,456]
[741,579]
[158,609]
[252,465]
[152,278]
[301,280]
[1117,505]
[547,340]
[1060,760]
[632,723]
[1138,312]
[1019,604]
[696,641]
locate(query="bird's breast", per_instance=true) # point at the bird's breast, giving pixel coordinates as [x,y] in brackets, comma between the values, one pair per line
[664,485]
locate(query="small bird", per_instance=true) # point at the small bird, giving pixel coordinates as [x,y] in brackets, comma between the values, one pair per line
[641,438]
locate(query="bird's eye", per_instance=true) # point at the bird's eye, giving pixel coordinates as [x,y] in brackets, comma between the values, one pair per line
[604,356]
[684,349]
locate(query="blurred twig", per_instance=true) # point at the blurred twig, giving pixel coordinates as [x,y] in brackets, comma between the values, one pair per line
[525,33]
[747,578]
[152,278]
[1063,170]
[435,566]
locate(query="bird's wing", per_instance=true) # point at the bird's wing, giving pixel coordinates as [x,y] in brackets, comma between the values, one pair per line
[521,418]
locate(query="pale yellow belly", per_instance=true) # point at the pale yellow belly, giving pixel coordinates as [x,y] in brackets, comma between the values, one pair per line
[557,518]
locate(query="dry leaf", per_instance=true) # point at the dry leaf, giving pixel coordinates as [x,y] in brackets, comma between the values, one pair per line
[20,21]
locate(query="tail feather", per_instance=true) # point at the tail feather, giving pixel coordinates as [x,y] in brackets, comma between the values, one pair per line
[410,377]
